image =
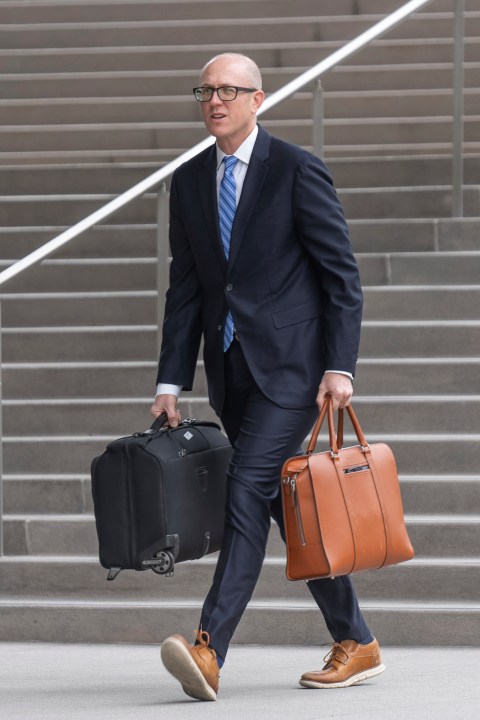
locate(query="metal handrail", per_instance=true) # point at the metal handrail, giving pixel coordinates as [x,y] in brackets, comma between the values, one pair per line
[161,175]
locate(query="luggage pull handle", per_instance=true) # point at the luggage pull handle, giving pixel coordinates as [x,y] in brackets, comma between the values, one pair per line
[336,439]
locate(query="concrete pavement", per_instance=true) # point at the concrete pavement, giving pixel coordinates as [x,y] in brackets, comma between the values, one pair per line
[127,682]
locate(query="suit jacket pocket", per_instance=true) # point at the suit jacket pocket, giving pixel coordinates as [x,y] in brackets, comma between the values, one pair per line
[306,310]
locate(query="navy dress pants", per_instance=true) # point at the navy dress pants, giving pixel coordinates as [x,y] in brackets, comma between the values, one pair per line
[263,436]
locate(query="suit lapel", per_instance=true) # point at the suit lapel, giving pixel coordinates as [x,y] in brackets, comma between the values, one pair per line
[208,195]
[254,179]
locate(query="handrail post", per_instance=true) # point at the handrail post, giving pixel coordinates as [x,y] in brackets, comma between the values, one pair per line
[1,442]
[162,257]
[457,150]
[318,130]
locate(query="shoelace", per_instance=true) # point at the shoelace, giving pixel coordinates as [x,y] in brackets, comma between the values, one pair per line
[203,639]
[337,653]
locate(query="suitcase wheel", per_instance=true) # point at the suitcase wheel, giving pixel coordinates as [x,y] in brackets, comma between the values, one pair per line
[163,563]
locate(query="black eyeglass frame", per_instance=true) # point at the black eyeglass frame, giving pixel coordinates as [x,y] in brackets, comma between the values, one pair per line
[218,89]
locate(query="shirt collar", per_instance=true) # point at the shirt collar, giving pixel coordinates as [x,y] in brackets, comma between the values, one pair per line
[244,152]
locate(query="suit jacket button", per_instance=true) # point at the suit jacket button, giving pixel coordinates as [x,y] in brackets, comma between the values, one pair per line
[219,327]
[229,287]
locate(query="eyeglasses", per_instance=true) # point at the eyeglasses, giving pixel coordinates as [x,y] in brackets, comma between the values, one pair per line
[226,92]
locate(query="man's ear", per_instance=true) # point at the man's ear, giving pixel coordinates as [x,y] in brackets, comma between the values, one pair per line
[257,100]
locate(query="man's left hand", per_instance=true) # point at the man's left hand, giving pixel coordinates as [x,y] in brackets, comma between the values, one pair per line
[338,386]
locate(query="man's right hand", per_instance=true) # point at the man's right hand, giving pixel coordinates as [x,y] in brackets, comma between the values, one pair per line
[167,404]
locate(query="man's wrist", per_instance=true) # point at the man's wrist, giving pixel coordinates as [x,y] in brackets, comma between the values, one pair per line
[340,372]
[168,389]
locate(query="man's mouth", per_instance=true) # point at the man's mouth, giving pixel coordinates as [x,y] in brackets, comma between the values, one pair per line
[217,116]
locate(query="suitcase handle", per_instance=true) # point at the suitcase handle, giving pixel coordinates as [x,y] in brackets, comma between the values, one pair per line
[159,422]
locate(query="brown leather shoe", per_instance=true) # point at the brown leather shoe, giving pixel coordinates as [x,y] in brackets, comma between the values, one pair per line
[347,663]
[195,668]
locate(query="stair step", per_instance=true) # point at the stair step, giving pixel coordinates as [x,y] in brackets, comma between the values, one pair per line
[60,494]
[102,241]
[90,275]
[338,105]
[422,302]
[358,203]
[367,235]
[427,338]
[266,623]
[130,307]
[136,307]
[121,415]
[65,578]
[414,339]
[106,11]
[80,343]
[423,375]
[270,45]
[113,178]
[410,76]
[94,379]
[103,379]
[415,454]
[245,30]
[139,274]
[58,11]
[440,494]
[348,132]
[44,494]
[75,535]
[419,269]
[73,179]
[162,155]
[445,268]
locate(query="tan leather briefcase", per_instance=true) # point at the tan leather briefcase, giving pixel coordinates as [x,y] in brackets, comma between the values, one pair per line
[342,508]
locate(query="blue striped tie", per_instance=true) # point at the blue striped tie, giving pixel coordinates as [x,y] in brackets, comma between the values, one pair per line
[227,205]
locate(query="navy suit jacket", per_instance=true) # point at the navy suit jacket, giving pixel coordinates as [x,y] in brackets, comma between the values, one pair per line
[291,281]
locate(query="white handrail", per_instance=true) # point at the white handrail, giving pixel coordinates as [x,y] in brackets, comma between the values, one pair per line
[157,177]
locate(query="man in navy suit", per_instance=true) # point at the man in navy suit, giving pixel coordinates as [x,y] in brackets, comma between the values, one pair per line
[263,269]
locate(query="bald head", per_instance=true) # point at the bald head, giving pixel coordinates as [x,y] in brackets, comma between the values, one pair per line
[246,64]
[231,121]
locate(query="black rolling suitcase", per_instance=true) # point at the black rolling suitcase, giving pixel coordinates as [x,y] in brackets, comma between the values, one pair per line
[159,496]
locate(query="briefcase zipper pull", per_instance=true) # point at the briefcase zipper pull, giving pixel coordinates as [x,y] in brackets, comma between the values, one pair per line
[298,514]
[291,482]
[293,488]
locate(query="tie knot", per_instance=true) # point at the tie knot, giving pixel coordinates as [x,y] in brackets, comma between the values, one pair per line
[230,162]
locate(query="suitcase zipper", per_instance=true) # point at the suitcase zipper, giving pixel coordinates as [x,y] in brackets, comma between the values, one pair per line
[133,548]
[292,482]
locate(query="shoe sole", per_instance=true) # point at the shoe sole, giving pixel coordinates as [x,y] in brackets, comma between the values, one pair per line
[364,675]
[179,663]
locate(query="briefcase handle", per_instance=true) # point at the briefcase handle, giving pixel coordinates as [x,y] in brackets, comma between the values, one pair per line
[336,439]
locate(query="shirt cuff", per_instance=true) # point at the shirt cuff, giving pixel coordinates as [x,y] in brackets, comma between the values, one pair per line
[167,389]
[340,372]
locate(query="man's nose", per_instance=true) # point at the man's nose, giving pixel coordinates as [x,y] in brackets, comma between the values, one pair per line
[215,100]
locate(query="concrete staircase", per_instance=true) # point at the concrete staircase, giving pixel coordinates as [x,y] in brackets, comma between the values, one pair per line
[94,96]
